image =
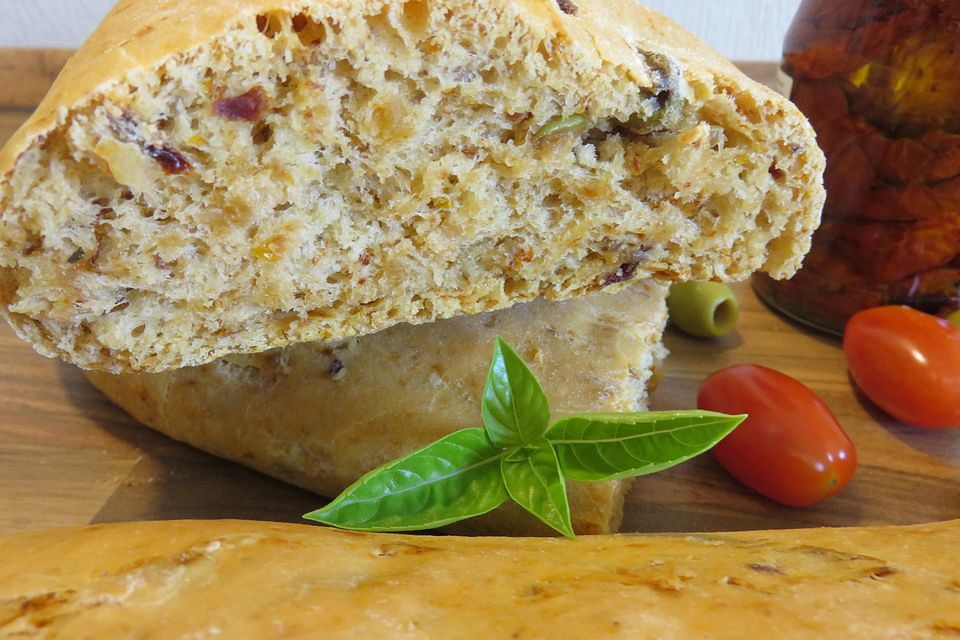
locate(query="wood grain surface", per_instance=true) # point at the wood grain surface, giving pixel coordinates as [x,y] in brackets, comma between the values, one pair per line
[26,75]
[68,457]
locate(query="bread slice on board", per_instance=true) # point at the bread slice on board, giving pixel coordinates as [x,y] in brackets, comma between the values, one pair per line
[322,415]
[230,176]
[236,579]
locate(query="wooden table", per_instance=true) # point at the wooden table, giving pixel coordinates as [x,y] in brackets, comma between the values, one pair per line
[68,457]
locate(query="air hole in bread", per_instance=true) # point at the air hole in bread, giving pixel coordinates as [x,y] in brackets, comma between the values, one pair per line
[309,31]
[270,24]
[262,134]
[416,17]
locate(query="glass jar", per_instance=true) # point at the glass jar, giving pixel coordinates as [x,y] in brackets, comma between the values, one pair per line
[880,82]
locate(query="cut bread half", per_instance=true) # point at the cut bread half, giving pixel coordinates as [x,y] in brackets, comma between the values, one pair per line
[230,176]
[322,415]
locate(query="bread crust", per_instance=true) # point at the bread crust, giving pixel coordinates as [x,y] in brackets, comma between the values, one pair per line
[256,580]
[321,416]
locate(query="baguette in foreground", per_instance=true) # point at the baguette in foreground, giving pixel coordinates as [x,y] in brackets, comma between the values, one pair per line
[236,579]
[322,415]
[229,176]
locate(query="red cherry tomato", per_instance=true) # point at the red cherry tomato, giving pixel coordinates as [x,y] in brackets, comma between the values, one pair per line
[791,448]
[908,363]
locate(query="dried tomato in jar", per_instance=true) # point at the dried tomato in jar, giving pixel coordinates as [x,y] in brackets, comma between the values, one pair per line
[880,82]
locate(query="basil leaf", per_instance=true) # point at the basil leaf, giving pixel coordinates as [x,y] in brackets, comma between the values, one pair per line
[515,410]
[455,478]
[534,481]
[607,446]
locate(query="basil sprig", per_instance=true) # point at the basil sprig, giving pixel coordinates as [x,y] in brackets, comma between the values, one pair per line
[519,455]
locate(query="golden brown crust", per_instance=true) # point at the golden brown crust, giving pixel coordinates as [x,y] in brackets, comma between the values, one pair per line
[256,580]
[320,416]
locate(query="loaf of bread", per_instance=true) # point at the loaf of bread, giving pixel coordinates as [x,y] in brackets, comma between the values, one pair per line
[230,176]
[322,415]
[235,579]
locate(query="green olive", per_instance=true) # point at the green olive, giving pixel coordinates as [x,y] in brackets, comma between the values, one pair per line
[954,318]
[703,309]
[562,124]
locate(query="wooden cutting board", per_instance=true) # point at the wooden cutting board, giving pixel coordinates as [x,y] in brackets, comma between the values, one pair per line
[68,457]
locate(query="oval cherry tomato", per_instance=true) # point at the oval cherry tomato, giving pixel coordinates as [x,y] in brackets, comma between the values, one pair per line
[908,363]
[791,448]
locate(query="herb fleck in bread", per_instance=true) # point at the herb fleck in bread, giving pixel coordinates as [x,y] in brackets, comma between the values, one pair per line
[259,580]
[230,176]
[322,415]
